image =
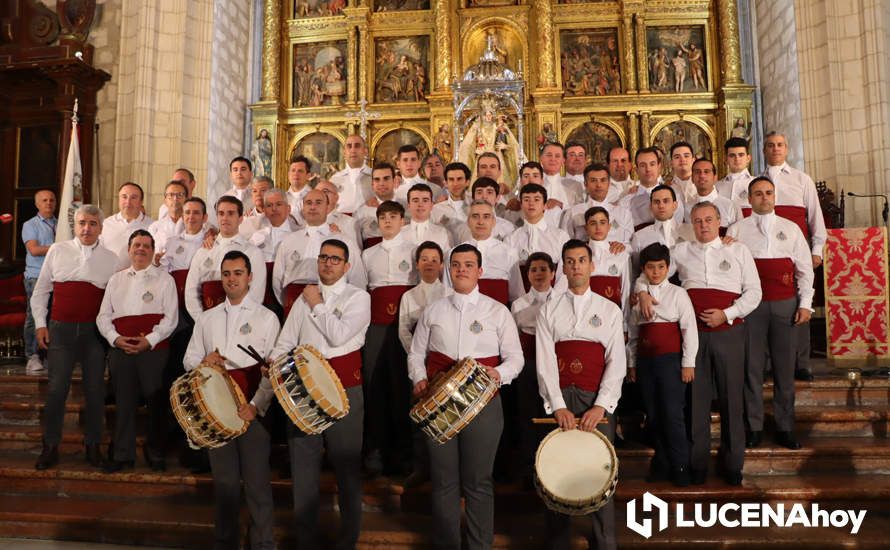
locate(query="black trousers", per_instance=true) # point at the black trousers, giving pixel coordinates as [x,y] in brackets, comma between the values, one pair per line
[134,377]
[664,397]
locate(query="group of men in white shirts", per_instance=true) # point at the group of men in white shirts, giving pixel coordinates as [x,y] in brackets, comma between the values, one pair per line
[394,278]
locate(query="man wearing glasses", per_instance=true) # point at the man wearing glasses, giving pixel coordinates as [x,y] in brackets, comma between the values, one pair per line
[332,316]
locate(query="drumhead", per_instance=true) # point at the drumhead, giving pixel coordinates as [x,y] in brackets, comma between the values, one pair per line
[325,383]
[574,465]
[218,399]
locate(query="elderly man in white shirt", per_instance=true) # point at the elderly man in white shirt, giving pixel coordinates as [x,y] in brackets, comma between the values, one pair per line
[117,229]
[465,324]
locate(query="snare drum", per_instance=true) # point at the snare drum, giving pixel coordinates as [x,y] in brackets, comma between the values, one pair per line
[454,400]
[309,390]
[576,472]
[205,402]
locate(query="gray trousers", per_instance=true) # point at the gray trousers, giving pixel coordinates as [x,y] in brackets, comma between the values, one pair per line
[578,401]
[465,464]
[70,342]
[771,331]
[387,391]
[136,376]
[720,361]
[247,458]
[343,442]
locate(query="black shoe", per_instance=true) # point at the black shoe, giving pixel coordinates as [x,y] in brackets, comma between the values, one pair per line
[94,455]
[698,477]
[114,466]
[48,458]
[803,374]
[680,477]
[733,478]
[753,439]
[786,439]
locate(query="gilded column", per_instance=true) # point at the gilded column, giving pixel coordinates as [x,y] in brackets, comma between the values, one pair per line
[363,61]
[642,54]
[727,15]
[546,76]
[350,66]
[443,43]
[644,128]
[633,141]
[630,74]
[271,50]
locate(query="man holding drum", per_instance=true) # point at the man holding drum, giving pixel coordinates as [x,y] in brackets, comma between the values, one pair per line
[239,319]
[333,317]
[581,364]
[465,324]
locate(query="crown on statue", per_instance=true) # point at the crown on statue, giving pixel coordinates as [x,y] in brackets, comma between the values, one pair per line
[489,104]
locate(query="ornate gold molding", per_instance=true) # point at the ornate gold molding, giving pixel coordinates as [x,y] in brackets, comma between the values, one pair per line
[543,15]
[271,50]
[642,50]
[443,42]
[729,41]
[630,74]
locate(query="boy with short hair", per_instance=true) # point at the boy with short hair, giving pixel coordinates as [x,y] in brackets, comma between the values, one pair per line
[661,359]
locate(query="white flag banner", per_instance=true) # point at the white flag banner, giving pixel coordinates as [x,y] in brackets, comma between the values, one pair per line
[72,186]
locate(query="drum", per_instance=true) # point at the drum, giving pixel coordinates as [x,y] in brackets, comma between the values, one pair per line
[308,389]
[205,402]
[576,471]
[454,400]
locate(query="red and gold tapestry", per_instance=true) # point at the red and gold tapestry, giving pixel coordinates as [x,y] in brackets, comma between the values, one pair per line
[856,298]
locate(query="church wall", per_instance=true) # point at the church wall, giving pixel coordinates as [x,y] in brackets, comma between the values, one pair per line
[778,70]
[229,86]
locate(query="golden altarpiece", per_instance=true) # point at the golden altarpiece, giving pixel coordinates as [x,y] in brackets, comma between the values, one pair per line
[625,72]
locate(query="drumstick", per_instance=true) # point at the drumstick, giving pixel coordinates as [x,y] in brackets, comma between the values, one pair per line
[549,420]
[249,350]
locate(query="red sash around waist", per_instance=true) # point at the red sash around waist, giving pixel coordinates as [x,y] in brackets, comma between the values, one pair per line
[659,339]
[711,298]
[76,301]
[179,277]
[385,303]
[212,294]
[348,368]
[371,241]
[581,363]
[269,298]
[247,378]
[291,293]
[796,214]
[776,278]
[527,341]
[439,362]
[139,325]
[607,286]
[496,289]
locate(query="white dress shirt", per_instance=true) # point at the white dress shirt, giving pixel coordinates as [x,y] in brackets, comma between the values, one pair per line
[334,327]
[685,188]
[587,317]
[735,187]
[418,232]
[772,236]
[727,267]
[116,233]
[242,195]
[223,327]
[503,228]
[180,251]
[296,260]
[345,223]
[70,261]
[147,291]
[206,264]
[390,262]
[612,265]
[407,184]
[267,238]
[674,306]
[622,225]
[295,200]
[353,187]
[729,211]
[668,233]
[540,237]
[617,189]
[466,325]
[163,229]
[499,261]
[638,204]
[795,188]
[525,309]
[412,305]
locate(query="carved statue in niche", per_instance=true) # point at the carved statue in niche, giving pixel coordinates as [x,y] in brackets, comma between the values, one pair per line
[401,69]
[261,154]
[319,74]
[442,143]
[677,59]
[490,133]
